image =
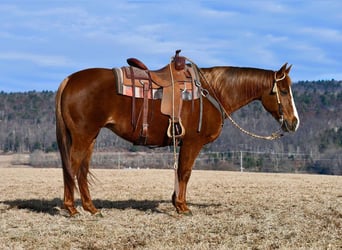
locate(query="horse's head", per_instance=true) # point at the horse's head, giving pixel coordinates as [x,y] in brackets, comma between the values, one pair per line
[279,100]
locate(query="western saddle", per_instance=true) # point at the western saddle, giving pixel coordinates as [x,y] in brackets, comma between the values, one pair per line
[171,84]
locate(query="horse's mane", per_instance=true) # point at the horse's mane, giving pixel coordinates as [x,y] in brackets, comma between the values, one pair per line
[249,80]
[239,85]
[238,76]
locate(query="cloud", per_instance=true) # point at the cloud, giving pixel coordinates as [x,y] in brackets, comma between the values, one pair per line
[71,35]
[326,34]
[40,60]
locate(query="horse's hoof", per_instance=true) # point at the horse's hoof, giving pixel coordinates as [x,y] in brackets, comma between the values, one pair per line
[98,214]
[66,212]
[75,215]
[185,213]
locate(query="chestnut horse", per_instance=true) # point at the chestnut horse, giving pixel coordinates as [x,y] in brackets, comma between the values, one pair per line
[87,101]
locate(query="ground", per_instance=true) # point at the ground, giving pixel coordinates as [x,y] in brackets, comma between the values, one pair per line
[231,210]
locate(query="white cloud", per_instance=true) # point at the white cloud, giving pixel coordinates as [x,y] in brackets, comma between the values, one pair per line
[327,34]
[70,35]
[40,60]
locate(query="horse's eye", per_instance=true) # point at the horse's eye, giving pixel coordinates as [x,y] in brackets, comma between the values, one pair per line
[283,92]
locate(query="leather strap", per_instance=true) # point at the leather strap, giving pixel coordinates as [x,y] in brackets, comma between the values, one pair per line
[133,121]
[145,111]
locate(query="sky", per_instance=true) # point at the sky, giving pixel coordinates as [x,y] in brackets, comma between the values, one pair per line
[44,41]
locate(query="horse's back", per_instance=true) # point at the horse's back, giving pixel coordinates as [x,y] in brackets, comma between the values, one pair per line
[89,84]
[92,78]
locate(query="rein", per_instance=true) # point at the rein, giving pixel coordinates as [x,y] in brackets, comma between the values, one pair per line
[174,139]
[214,100]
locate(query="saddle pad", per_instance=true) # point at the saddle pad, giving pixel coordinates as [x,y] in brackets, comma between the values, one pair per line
[123,89]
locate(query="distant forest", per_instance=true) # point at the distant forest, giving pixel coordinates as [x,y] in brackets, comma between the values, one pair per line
[27,124]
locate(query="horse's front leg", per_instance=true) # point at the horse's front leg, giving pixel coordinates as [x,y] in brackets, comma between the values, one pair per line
[187,156]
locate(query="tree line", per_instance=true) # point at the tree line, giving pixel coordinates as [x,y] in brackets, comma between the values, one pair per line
[27,124]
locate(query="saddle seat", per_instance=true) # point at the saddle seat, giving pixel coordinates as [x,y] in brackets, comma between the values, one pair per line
[160,77]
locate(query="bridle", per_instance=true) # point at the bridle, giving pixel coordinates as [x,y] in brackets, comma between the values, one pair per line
[275,91]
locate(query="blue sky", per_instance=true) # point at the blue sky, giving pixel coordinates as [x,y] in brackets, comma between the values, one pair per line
[43,41]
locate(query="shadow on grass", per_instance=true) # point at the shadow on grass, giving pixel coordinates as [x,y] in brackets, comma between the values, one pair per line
[52,206]
[35,205]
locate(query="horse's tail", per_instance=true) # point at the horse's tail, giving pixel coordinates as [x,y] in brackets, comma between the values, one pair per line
[63,138]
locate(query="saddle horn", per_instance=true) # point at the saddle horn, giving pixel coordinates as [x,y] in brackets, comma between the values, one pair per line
[179,61]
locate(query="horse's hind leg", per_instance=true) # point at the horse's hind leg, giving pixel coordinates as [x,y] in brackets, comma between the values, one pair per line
[83,181]
[69,188]
[69,175]
[80,154]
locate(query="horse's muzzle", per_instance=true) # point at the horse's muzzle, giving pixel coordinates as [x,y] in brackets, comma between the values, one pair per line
[290,126]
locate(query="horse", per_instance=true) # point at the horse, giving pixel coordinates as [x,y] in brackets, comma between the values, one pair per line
[87,101]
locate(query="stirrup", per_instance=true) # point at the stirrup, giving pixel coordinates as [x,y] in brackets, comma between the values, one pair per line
[177,127]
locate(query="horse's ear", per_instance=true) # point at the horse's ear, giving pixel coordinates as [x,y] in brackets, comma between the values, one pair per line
[282,71]
[283,68]
[287,71]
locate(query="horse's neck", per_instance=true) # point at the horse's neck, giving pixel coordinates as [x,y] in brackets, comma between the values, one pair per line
[236,87]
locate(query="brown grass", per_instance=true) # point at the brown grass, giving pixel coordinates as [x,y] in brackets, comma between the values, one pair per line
[231,211]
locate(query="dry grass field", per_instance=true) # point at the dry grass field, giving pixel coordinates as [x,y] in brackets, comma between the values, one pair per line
[231,210]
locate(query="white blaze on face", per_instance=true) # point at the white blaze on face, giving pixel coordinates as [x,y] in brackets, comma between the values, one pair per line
[294,109]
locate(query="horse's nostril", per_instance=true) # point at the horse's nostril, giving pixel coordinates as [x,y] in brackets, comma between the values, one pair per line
[295,124]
